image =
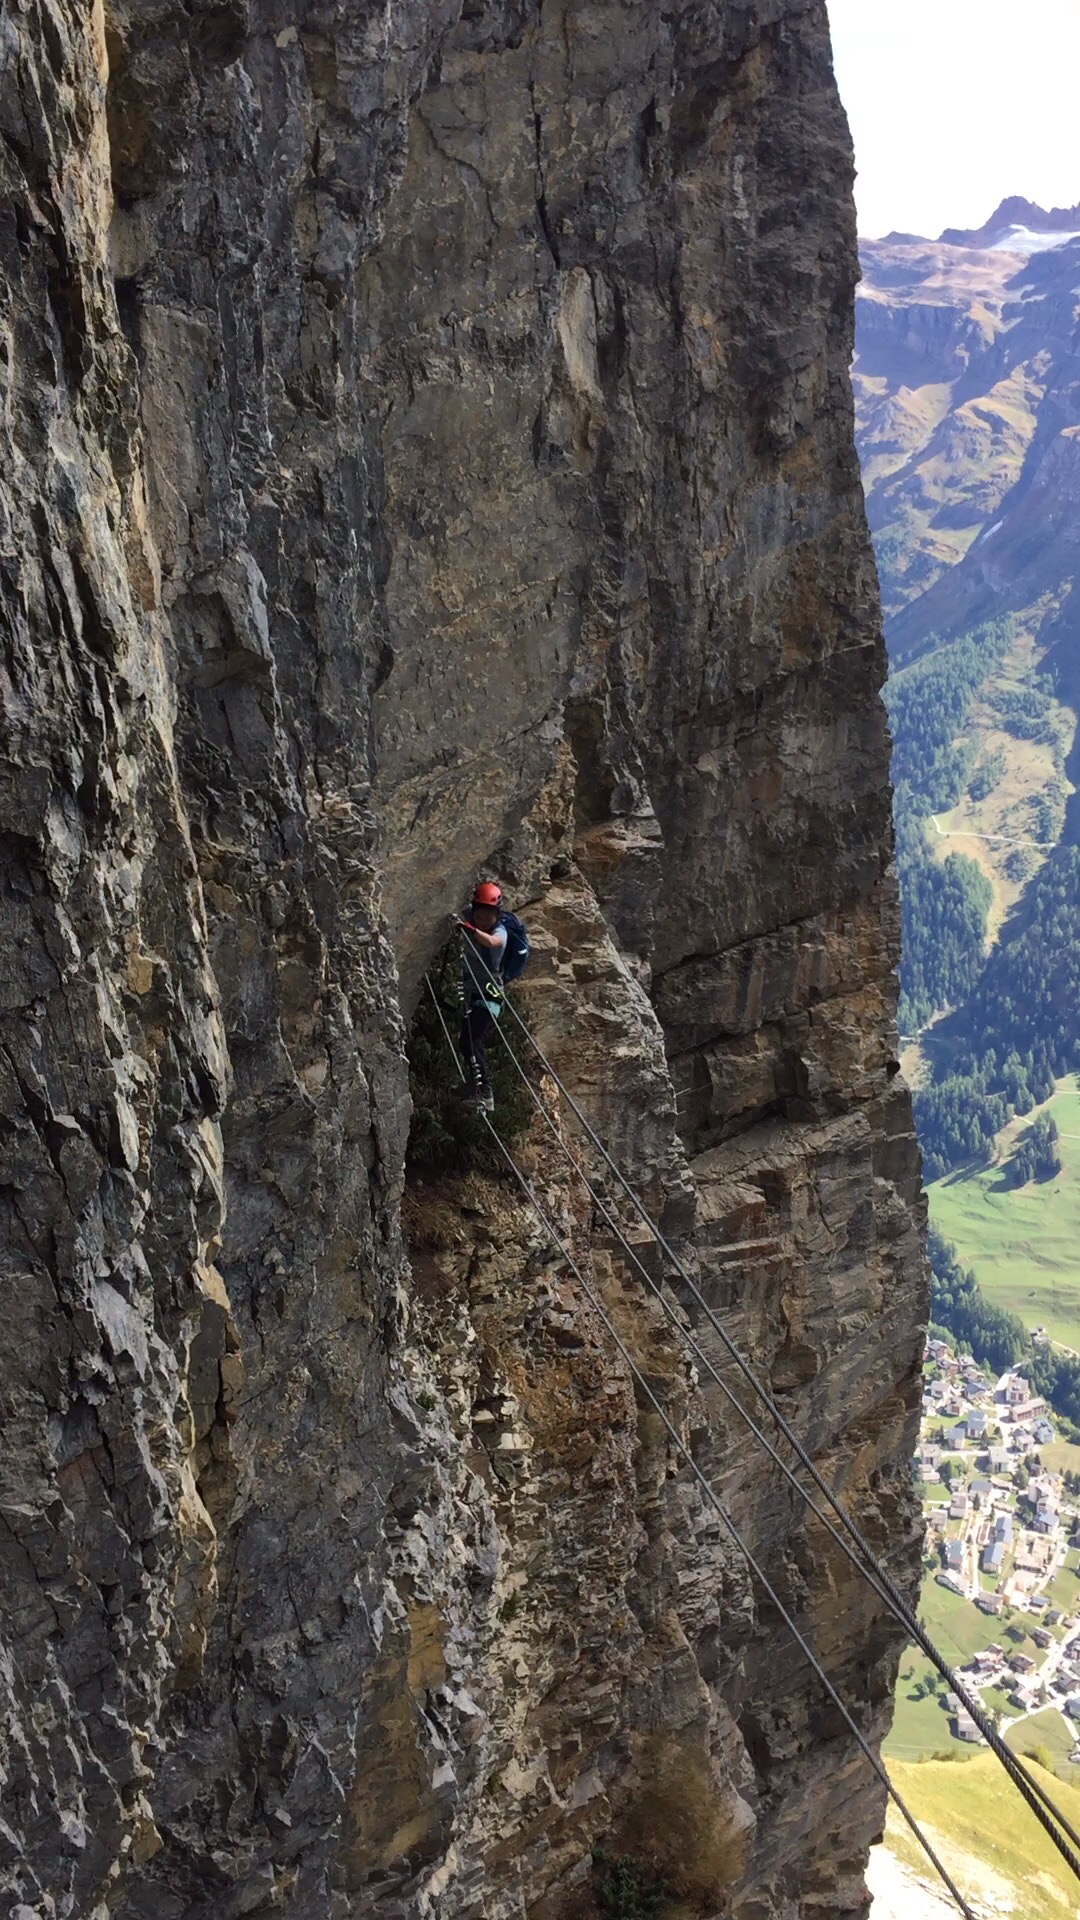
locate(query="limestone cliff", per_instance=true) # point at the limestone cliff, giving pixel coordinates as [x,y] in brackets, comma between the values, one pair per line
[427,445]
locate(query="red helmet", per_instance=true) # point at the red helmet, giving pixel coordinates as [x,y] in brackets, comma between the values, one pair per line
[487,894]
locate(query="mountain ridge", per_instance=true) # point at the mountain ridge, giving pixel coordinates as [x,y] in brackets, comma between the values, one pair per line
[967,382]
[1014,211]
[967,378]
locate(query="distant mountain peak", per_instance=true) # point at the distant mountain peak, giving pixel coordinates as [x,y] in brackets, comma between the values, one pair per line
[967,382]
[1018,224]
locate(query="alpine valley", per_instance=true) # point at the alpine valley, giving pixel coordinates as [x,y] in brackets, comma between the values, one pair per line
[967,382]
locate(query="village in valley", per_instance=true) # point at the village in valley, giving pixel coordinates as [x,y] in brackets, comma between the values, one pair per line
[1001,1593]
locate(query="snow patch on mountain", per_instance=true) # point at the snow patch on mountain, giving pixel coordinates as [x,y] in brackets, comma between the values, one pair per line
[1027,240]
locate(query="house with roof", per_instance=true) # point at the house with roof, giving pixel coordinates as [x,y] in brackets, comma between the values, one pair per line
[964,1727]
[958,1506]
[954,1555]
[989,1602]
[993,1558]
[976,1423]
[1044,1433]
[1003,1528]
[981,1487]
[1029,1409]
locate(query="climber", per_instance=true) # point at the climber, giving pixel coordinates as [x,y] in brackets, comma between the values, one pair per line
[483,949]
[495,949]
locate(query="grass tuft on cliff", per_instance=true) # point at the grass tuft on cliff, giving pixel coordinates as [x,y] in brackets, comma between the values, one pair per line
[625,1890]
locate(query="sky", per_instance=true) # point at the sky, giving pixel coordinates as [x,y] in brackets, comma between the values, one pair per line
[956,103]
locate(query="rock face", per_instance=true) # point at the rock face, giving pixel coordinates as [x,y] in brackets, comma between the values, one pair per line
[427,445]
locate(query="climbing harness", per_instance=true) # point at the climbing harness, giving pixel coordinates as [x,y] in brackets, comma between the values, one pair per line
[865,1562]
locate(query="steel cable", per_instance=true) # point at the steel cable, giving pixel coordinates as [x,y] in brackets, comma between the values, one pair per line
[709,1491]
[1040,1802]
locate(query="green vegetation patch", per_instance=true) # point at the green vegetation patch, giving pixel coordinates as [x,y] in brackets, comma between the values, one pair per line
[1054,1734]
[944,905]
[996,1700]
[955,1623]
[979,1816]
[1037,1154]
[1022,1240]
[1061,1456]
[447,1134]
[626,1890]
[1064,1589]
[920,1728]
[988,774]
[1017,1030]
[1028,713]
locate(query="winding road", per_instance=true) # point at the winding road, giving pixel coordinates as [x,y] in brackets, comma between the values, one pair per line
[1000,839]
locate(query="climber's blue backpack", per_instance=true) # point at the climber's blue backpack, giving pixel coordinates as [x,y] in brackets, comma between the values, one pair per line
[516,955]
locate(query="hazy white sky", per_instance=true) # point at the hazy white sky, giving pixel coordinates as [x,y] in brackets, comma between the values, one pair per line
[955,103]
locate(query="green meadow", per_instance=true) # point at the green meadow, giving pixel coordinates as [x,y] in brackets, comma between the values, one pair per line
[1051,1731]
[987,1830]
[920,1728]
[1023,1242]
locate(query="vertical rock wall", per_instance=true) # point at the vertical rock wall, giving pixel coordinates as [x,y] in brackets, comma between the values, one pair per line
[426,445]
